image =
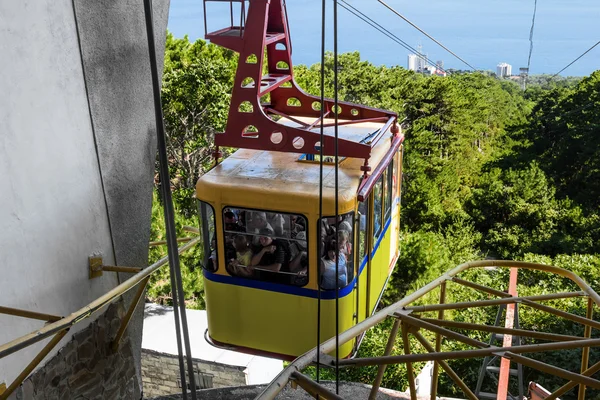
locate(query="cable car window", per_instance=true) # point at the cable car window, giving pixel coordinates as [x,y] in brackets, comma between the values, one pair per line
[363,214]
[266,246]
[377,203]
[209,239]
[387,183]
[337,240]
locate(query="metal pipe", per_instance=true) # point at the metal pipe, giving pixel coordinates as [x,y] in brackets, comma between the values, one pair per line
[550,369]
[313,388]
[161,242]
[585,355]
[494,302]
[277,384]
[169,214]
[409,367]
[555,337]
[29,314]
[125,321]
[438,346]
[564,314]
[463,354]
[86,311]
[192,229]
[381,369]
[565,388]
[459,382]
[129,270]
[30,367]
[445,332]
[481,288]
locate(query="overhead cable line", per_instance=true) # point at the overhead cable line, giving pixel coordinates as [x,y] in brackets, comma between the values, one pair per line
[531,34]
[321,137]
[357,13]
[426,34]
[575,60]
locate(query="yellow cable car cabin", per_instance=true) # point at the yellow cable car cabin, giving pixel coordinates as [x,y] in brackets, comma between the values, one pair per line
[269,253]
[259,213]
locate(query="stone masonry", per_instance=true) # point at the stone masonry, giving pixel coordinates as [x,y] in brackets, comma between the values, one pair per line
[160,374]
[86,368]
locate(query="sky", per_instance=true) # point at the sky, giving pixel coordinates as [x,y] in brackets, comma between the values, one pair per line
[482,32]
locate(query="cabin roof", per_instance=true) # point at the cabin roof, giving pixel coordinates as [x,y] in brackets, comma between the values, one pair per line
[282,174]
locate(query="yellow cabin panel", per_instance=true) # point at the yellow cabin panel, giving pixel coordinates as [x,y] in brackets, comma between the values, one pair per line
[281,319]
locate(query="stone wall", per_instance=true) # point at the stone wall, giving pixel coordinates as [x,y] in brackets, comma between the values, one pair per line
[160,374]
[86,368]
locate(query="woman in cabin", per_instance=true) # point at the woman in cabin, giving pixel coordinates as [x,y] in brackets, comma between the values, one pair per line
[328,268]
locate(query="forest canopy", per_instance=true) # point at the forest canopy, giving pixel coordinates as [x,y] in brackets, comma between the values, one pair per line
[490,171]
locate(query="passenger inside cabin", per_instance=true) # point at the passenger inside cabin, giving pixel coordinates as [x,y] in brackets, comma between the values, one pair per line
[298,254]
[328,268]
[231,222]
[272,254]
[241,265]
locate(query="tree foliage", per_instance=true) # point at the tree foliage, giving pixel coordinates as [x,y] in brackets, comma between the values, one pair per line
[489,171]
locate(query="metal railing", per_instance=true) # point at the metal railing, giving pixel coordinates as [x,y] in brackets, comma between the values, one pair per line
[57,327]
[408,321]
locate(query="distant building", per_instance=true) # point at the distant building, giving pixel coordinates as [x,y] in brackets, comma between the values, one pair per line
[503,70]
[416,62]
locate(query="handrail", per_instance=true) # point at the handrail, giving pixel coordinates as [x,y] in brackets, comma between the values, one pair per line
[88,310]
[326,347]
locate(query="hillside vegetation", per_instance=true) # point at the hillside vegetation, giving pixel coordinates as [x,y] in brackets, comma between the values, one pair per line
[489,171]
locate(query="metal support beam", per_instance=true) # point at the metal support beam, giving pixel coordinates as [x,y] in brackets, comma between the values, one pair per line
[313,388]
[161,242]
[463,354]
[459,382]
[564,314]
[125,321]
[442,331]
[30,367]
[381,369]
[29,314]
[555,337]
[585,355]
[494,302]
[438,346]
[563,373]
[565,388]
[409,367]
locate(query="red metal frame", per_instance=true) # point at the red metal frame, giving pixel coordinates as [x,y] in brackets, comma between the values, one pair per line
[266,27]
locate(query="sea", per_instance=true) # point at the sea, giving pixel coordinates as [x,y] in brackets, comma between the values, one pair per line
[483,33]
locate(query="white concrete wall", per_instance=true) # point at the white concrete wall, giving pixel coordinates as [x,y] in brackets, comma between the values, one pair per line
[52,209]
[61,199]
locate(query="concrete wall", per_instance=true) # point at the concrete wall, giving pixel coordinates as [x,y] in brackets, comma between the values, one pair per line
[160,374]
[77,151]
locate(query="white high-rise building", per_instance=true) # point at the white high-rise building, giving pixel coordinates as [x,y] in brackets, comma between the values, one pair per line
[503,70]
[416,62]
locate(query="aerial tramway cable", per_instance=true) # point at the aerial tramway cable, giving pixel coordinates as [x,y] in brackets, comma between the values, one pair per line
[337,210]
[319,230]
[366,19]
[575,60]
[175,271]
[426,34]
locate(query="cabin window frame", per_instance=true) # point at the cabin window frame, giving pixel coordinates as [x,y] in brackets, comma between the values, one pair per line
[206,242]
[350,218]
[377,230]
[302,280]
[387,195]
[363,252]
